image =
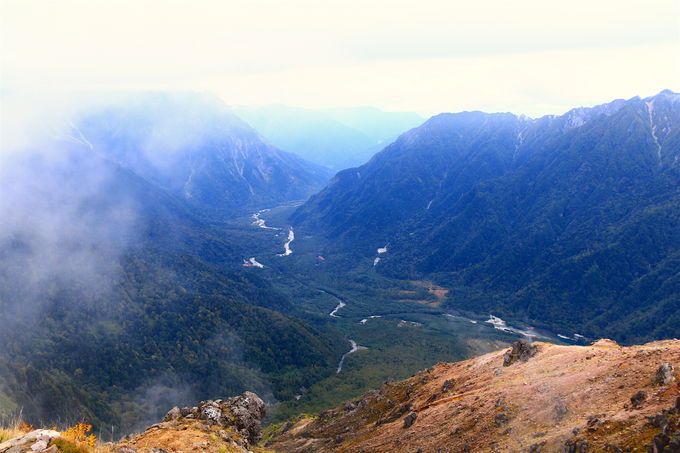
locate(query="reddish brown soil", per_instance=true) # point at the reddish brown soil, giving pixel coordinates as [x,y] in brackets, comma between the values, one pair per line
[562,394]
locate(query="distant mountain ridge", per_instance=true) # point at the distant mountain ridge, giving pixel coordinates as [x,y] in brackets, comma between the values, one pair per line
[337,138]
[192,145]
[561,220]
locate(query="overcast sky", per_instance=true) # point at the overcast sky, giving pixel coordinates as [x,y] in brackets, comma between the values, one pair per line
[526,56]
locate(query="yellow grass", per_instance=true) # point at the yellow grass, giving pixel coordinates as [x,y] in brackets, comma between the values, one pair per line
[9,433]
[76,436]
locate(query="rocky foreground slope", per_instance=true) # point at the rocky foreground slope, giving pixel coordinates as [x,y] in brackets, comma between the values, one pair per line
[231,425]
[533,398]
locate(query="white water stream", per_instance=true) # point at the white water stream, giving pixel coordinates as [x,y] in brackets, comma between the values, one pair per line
[286,246]
[335,310]
[355,348]
[260,222]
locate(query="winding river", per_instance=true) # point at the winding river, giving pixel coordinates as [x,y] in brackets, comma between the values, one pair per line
[355,348]
[260,222]
[286,246]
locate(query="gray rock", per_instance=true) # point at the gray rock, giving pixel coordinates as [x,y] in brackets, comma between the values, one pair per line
[521,350]
[410,419]
[448,385]
[211,412]
[664,375]
[125,450]
[350,406]
[173,414]
[246,411]
[501,419]
[637,399]
[40,445]
[17,441]
[40,439]
[560,411]
[660,442]
[47,435]
[659,420]
[575,446]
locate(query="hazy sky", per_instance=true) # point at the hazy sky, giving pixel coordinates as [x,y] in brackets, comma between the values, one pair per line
[525,56]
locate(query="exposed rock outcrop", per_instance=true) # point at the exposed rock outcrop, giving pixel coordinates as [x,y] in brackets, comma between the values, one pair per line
[39,440]
[664,375]
[521,350]
[244,413]
[410,419]
[214,426]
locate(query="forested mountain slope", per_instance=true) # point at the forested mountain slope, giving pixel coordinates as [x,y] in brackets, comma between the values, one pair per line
[572,222]
[119,297]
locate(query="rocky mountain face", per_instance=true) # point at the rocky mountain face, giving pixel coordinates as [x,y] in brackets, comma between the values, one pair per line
[194,146]
[549,398]
[559,221]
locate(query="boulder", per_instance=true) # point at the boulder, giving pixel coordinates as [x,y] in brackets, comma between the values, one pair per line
[211,412]
[637,399]
[521,350]
[173,414]
[448,385]
[664,375]
[410,419]
[247,411]
[40,445]
[39,440]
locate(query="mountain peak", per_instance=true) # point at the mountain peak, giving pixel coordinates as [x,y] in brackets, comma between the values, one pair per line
[664,94]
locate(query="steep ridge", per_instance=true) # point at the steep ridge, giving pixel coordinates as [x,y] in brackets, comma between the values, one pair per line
[558,221]
[538,398]
[192,145]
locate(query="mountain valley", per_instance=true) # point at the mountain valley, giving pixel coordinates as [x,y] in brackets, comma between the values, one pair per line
[567,223]
[135,278]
